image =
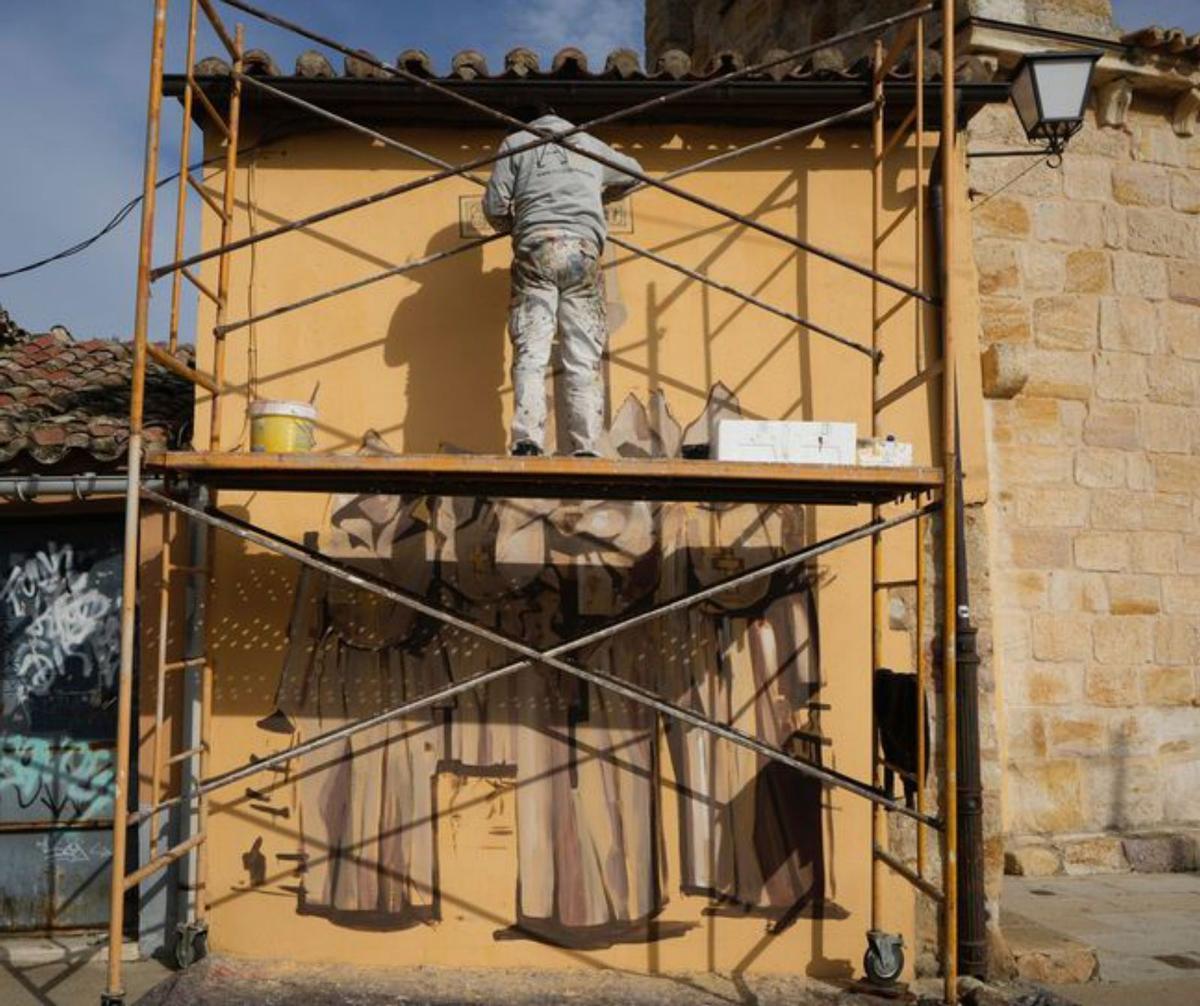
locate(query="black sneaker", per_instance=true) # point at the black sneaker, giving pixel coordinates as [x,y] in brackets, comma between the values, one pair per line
[584,454]
[525,449]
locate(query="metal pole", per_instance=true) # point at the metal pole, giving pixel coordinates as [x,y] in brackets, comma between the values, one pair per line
[878,821]
[950,504]
[920,189]
[531,656]
[185,144]
[114,994]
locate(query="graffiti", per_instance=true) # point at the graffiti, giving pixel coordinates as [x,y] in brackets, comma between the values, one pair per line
[72,849]
[68,778]
[584,764]
[58,624]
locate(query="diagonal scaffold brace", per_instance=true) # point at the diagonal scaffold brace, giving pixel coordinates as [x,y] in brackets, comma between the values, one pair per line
[552,658]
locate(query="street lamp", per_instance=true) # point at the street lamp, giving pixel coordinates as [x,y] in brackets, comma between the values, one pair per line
[1050,92]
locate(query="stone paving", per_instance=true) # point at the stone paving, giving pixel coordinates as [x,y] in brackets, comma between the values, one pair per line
[1144,928]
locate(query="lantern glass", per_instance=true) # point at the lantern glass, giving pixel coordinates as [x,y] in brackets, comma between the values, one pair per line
[1050,93]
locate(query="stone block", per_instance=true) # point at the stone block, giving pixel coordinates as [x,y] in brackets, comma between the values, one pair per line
[1128,324]
[1002,216]
[1183,281]
[1066,321]
[1070,223]
[1087,271]
[1047,796]
[1177,640]
[1004,320]
[1095,854]
[1181,326]
[1185,192]
[1154,551]
[1025,588]
[1027,420]
[1012,634]
[1165,429]
[1181,792]
[1087,178]
[1161,853]
[1168,686]
[1032,861]
[1123,640]
[1161,232]
[1116,227]
[1139,475]
[1004,371]
[997,266]
[1100,468]
[1041,549]
[1057,507]
[1043,267]
[1136,275]
[1062,636]
[1033,464]
[1077,734]
[1070,590]
[1124,791]
[1133,594]
[1051,684]
[993,174]
[1046,957]
[1115,510]
[1176,474]
[1110,686]
[1121,376]
[1158,144]
[1181,595]
[1111,424]
[1167,512]
[1171,380]
[1189,555]
[1139,184]
[1061,374]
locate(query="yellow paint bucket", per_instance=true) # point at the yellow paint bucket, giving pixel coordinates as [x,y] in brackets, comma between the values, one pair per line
[282,427]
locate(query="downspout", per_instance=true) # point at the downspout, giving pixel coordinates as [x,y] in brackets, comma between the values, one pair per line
[25,488]
[972,920]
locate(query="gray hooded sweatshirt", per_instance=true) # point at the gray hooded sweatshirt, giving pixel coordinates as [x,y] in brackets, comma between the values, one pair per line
[551,191]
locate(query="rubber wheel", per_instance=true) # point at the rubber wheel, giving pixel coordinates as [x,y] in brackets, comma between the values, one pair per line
[190,947]
[875,970]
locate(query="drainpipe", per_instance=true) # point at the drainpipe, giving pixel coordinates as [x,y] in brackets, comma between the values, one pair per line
[28,487]
[972,927]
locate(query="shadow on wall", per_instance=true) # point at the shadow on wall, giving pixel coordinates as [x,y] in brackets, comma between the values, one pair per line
[458,314]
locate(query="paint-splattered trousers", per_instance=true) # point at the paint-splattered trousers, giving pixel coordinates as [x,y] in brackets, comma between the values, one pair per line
[557,287]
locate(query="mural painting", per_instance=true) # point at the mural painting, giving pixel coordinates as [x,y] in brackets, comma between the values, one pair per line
[583,766]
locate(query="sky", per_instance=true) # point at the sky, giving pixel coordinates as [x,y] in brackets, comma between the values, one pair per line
[72,115]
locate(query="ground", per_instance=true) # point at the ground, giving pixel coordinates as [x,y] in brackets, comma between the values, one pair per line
[1144,928]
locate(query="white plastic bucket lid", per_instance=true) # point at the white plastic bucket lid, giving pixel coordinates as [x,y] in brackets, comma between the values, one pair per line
[298,410]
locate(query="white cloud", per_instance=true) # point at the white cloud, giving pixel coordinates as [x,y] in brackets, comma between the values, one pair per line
[595,26]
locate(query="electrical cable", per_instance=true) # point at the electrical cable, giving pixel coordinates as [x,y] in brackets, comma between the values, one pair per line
[118,218]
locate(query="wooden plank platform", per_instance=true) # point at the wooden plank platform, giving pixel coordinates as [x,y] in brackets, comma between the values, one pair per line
[548,477]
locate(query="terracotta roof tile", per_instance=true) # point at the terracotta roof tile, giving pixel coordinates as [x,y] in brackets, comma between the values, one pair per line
[569,63]
[67,402]
[1165,41]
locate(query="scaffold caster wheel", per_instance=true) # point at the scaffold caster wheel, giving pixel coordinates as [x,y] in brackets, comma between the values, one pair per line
[191,943]
[111,999]
[884,959]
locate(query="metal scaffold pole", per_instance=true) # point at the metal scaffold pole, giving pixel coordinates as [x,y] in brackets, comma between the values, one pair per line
[114,994]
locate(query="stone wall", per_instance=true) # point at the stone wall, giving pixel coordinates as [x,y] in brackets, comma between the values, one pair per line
[705,27]
[1089,285]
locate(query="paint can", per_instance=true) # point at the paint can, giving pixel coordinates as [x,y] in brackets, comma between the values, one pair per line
[282,427]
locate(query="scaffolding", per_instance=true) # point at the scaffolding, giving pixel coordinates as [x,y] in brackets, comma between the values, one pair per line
[931,490]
